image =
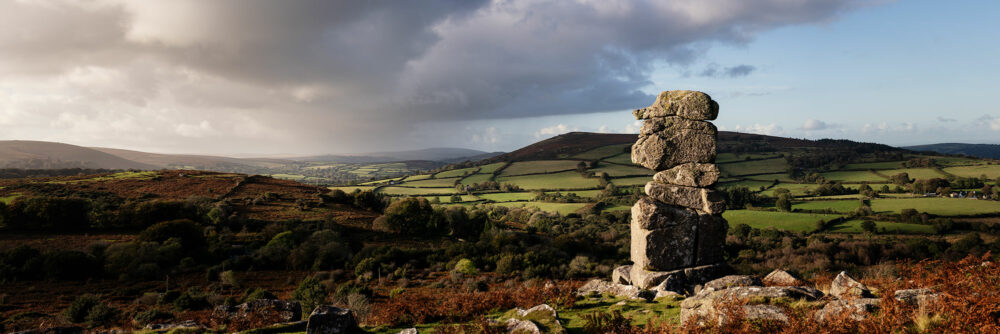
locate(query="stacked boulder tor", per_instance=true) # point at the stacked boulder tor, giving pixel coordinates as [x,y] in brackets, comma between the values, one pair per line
[677,229]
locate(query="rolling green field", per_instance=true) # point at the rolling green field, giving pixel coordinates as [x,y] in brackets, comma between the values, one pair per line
[847,205]
[581,193]
[489,169]
[797,189]
[632,181]
[875,165]
[955,161]
[447,199]
[619,170]
[540,166]
[769,166]
[476,178]
[602,152]
[561,208]
[350,189]
[937,205]
[456,172]
[416,191]
[991,171]
[624,159]
[554,181]
[417,177]
[750,184]
[431,183]
[854,226]
[915,173]
[853,176]
[798,222]
[507,197]
[782,177]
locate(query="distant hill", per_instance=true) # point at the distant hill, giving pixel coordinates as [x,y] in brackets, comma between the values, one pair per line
[990,151]
[189,161]
[49,155]
[444,154]
[565,145]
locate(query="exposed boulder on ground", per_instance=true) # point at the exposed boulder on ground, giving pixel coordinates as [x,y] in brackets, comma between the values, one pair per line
[701,199]
[690,175]
[844,286]
[327,319]
[780,277]
[919,297]
[684,103]
[597,286]
[709,305]
[270,311]
[621,275]
[538,319]
[646,279]
[409,331]
[188,324]
[730,281]
[672,285]
[518,326]
[665,142]
[855,308]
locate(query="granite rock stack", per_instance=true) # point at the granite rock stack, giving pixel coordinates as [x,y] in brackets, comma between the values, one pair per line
[677,229]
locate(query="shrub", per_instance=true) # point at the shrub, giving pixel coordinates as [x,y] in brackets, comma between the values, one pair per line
[310,293]
[466,267]
[228,278]
[101,314]
[190,300]
[365,266]
[257,293]
[359,304]
[152,316]
[80,307]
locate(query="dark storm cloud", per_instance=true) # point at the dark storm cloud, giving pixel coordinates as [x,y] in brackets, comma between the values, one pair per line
[356,69]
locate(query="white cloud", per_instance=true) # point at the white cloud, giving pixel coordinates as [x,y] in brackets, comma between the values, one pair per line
[634,127]
[764,129]
[557,129]
[995,124]
[814,125]
[487,136]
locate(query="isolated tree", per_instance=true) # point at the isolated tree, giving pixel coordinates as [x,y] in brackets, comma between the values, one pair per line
[784,202]
[869,226]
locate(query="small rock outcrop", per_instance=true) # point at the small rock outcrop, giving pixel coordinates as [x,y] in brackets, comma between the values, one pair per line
[327,319]
[780,277]
[731,281]
[409,331]
[854,308]
[538,319]
[844,286]
[261,311]
[188,324]
[919,297]
[621,275]
[600,287]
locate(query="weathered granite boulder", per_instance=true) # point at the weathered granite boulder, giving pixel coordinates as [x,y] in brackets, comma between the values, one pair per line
[409,331]
[919,297]
[856,309]
[843,286]
[690,174]
[187,324]
[600,287]
[649,214]
[712,231]
[701,274]
[672,285]
[780,277]
[666,142]
[708,304]
[726,282]
[326,319]
[666,248]
[648,279]
[519,326]
[683,103]
[538,319]
[702,199]
[621,275]
[260,311]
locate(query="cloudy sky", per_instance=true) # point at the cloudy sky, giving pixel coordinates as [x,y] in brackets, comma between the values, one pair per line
[255,77]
